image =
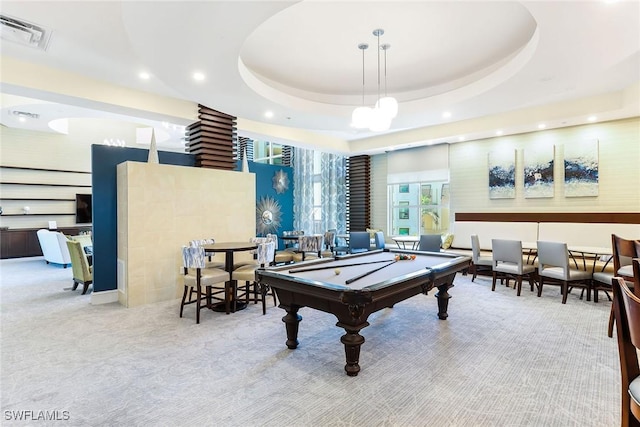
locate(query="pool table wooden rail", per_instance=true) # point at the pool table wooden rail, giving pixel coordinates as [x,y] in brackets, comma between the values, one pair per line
[352,307]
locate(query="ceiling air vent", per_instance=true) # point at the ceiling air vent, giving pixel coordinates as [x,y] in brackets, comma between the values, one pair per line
[24,33]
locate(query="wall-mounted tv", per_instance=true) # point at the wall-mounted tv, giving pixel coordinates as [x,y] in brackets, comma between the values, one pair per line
[83,209]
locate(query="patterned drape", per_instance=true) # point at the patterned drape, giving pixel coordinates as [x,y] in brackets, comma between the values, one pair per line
[333,192]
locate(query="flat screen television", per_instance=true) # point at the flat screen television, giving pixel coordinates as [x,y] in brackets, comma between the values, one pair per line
[83,209]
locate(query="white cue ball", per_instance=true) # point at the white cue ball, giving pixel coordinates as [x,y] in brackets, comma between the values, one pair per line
[337,271]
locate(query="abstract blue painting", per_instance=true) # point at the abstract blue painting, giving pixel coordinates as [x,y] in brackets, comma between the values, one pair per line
[581,169]
[538,172]
[502,174]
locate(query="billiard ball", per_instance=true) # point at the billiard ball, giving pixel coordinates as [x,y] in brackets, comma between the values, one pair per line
[337,271]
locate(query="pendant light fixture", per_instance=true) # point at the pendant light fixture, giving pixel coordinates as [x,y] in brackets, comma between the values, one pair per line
[379,118]
[361,116]
[388,104]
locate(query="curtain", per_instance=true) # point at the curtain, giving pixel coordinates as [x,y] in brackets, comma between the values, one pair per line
[331,177]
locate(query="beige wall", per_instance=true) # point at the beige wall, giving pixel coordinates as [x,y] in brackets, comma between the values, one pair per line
[161,208]
[619,171]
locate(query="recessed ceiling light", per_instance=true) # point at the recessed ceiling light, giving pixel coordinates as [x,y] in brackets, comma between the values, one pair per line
[197,76]
[542,126]
[593,118]
[144,75]
[498,132]
[268,114]
[461,138]
[22,119]
[446,115]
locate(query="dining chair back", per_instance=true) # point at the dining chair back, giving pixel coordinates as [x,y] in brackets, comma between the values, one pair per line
[553,265]
[209,263]
[280,257]
[430,242]
[196,277]
[359,241]
[627,314]
[309,246]
[379,239]
[624,250]
[508,263]
[253,290]
[82,271]
[329,243]
[479,264]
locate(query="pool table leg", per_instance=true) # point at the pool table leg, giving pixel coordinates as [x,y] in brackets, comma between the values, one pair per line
[292,321]
[443,300]
[352,341]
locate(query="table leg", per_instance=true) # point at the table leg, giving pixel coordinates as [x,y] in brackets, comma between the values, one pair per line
[443,300]
[292,321]
[352,341]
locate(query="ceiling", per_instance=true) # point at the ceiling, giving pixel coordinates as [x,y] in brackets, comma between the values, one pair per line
[459,70]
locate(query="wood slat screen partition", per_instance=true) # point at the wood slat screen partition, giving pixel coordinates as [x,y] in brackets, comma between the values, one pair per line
[359,191]
[578,217]
[212,139]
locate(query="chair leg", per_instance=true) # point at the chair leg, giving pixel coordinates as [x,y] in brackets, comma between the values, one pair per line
[565,292]
[540,286]
[273,293]
[493,283]
[198,301]
[519,285]
[475,272]
[612,320]
[263,293]
[184,297]
[75,285]
[85,287]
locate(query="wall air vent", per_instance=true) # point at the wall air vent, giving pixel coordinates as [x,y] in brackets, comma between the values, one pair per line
[24,33]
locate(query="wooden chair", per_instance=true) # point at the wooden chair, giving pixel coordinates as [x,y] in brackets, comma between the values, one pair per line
[82,271]
[196,277]
[430,242]
[253,290]
[209,263]
[624,250]
[479,264]
[626,308]
[507,263]
[553,265]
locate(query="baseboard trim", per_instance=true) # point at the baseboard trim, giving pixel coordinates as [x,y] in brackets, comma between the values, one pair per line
[104,297]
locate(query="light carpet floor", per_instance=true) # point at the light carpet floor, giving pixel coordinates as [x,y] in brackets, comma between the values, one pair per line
[499,360]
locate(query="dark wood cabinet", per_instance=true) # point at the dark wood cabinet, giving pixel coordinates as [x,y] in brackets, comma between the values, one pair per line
[17,243]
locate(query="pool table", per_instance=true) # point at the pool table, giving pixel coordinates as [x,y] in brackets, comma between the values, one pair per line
[351,287]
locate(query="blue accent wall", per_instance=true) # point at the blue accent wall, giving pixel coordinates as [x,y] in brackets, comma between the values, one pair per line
[264,187]
[104,160]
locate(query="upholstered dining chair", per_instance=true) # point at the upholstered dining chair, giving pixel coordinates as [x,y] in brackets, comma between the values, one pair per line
[309,247]
[508,263]
[329,243]
[280,257]
[378,238]
[82,271]
[254,291]
[359,241]
[553,265]
[479,264]
[196,278]
[624,250]
[430,242]
[209,263]
[626,308]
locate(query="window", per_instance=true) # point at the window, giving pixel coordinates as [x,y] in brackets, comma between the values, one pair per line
[418,208]
[267,152]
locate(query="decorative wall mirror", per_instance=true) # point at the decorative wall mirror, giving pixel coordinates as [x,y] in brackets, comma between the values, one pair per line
[268,215]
